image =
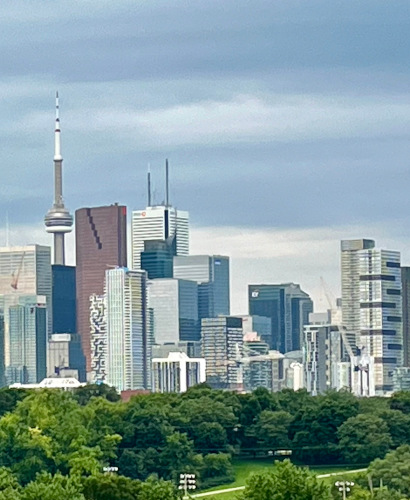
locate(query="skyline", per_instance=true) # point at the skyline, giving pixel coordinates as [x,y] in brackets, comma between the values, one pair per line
[317,92]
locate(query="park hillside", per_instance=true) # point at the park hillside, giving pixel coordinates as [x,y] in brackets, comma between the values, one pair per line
[89,445]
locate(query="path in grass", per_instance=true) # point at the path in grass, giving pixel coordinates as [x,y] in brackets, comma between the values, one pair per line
[243,468]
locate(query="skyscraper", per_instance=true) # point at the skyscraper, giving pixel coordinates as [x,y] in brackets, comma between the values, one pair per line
[351,286]
[24,270]
[28,340]
[64,299]
[159,223]
[129,347]
[174,304]
[288,307]
[101,243]
[381,335]
[157,259]
[222,345]
[211,272]
[98,325]
[405,283]
[58,220]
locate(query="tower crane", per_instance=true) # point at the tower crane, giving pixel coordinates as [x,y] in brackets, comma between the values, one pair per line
[16,276]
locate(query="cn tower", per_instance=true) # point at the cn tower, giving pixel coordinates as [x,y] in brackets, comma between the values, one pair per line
[58,219]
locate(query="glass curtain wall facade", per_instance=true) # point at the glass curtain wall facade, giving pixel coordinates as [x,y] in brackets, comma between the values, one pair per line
[24,270]
[211,272]
[63,298]
[288,308]
[405,283]
[174,304]
[28,341]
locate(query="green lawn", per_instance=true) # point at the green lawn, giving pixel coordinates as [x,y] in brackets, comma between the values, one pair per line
[243,468]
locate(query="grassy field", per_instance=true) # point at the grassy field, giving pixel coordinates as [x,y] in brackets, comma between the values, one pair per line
[243,468]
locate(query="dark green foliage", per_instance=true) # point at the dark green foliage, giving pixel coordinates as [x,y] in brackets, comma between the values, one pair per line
[65,439]
[85,393]
[286,481]
[364,438]
[401,401]
[9,399]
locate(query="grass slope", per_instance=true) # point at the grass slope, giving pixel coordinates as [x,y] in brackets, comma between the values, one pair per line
[243,468]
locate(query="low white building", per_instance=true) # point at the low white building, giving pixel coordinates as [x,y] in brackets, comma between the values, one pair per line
[65,384]
[177,372]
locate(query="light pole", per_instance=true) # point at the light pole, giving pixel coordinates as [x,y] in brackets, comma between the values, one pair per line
[344,487]
[187,482]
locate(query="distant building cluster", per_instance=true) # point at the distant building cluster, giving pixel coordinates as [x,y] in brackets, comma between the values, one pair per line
[159,319]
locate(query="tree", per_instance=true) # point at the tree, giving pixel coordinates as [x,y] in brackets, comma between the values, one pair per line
[116,487]
[9,486]
[393,470]
[210,437]
[398,424]
[286,481]
[271,430]
[363,438]
[401,401]
[84,394]
[48,487]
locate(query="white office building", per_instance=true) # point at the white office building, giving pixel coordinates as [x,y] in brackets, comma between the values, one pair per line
[128,349]
[159,223]
[177,372]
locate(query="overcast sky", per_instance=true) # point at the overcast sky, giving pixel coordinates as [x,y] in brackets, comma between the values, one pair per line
[286,123]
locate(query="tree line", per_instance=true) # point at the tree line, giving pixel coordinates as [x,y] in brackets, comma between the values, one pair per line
[68,438]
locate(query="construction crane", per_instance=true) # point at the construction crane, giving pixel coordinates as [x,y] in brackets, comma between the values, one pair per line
[16,276]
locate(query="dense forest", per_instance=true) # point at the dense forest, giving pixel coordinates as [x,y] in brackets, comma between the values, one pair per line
[70,437]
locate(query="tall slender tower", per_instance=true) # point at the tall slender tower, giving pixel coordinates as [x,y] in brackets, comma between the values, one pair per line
[58,220]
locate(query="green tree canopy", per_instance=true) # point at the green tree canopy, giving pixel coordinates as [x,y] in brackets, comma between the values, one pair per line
[364,438]
[285,482]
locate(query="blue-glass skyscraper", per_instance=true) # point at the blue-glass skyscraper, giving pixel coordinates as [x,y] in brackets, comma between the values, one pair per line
[288,307]
[211,272]
[63,299]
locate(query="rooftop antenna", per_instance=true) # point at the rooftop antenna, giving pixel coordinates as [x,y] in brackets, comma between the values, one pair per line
[166,183]
[149,184]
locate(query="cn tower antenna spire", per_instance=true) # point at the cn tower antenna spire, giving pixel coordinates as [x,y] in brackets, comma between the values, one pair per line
[58,219]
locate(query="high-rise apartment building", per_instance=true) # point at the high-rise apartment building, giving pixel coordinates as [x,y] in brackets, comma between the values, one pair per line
[381,333]
[211,272]
[325,366]
[160,222]
[98,326]
[28,340]
[101,244]
[288,308]
[174,303]
[222,346]
[24,270]
[405,284]
[129,346]
[350,266]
